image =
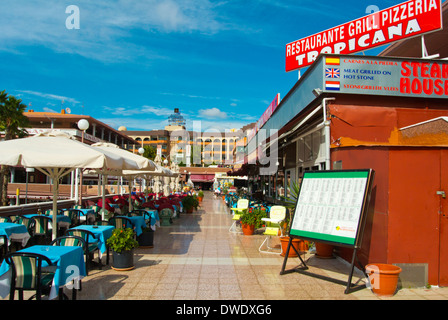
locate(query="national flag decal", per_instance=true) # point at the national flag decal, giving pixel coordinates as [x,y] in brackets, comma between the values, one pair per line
[332,73]
[332,85]
[332,61]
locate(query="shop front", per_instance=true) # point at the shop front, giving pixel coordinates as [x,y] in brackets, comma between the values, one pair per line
[385,114]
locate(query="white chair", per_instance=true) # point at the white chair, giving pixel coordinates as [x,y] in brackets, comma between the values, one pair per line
[241,206]
[277,214]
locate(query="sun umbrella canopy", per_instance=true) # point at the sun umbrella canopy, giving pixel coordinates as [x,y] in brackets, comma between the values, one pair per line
[56,154]
[159,171]
[59,150]
[143,163]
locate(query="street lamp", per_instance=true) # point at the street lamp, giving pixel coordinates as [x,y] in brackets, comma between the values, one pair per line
[83,125]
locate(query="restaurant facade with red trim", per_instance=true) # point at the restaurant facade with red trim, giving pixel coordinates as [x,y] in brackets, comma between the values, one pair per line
[387,114]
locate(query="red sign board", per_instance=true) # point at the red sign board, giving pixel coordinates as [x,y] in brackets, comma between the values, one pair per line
[405,20]
[269,111]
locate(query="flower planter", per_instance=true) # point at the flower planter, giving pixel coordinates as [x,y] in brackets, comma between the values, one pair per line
[383,278]
[200,199]
[123,261]
[324,250]
[296,243]
[248,229]
[146,239]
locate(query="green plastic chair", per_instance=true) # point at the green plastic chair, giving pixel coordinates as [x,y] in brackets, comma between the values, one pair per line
[28,274]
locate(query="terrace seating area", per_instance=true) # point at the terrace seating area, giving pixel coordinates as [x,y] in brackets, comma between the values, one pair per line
[195,257]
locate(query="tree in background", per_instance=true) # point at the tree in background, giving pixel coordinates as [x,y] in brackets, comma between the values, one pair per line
[12,123]
[150,152]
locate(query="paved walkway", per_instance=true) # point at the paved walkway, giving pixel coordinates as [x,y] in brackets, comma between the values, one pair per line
[197,258]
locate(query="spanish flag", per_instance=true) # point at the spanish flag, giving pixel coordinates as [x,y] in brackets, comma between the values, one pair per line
[333,61]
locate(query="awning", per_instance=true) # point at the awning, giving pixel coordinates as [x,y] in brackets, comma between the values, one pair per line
[202,177]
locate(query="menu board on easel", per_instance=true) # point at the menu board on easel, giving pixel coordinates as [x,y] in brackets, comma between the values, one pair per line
[331,206]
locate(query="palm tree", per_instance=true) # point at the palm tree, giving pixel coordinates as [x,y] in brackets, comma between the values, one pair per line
[12,122]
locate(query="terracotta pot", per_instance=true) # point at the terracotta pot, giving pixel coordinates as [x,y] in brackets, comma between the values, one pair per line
[223,197]
[190,210]
[248,229]
[383,278]
[324,250]
[296,243]
[200,199]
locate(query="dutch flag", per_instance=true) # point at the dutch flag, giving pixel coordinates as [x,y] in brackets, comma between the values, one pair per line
[332,85]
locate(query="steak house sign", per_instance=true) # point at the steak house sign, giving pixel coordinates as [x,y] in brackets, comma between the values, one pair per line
[401,21]
[385,76]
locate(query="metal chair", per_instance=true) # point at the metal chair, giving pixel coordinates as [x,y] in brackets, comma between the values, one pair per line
[42,229]
[74,215]
[28,274]
[91,245]
[5,219]
[121,222]
[276,215]
[165,216]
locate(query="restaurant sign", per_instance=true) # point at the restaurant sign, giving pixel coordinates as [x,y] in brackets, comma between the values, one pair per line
[264,117]
[405,20]
[384,76]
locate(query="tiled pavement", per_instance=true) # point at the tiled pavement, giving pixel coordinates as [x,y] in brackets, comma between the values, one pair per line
[197,258]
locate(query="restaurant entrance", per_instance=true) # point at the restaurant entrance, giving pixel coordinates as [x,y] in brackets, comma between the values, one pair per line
[420,194]
[443,216]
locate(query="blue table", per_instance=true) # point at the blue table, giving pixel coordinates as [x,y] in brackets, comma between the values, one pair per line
[69,261]
[15,232]
[102,233]
[138,222]
[154,218]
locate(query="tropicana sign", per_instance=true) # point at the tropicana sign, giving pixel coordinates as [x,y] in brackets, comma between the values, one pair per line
[405,20]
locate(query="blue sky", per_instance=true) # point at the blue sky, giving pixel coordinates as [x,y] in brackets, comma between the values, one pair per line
[132,62]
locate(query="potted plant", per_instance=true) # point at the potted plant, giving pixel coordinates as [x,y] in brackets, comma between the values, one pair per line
[251,220]
[200,195]
[189,203]
[225,190]
[299,244]
[248,220]
[146,238]
[122,242]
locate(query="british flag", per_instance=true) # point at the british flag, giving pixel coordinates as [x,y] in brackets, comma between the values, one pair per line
[332,73]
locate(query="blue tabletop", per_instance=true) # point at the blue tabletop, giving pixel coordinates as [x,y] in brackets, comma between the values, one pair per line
[69,263]
[154,218]
[138,222]
[14,231]
[102,233]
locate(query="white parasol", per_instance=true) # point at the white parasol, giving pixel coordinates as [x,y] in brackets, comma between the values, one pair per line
[56,154]
[144,164]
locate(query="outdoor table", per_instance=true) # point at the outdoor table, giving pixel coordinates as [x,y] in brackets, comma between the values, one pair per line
[15,232]
[138,222]
[154,218]
[101,233]
[84,213]
[69,262]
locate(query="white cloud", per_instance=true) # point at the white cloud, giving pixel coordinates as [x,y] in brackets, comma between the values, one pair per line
[49,96]
[213,113]
[106,27]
